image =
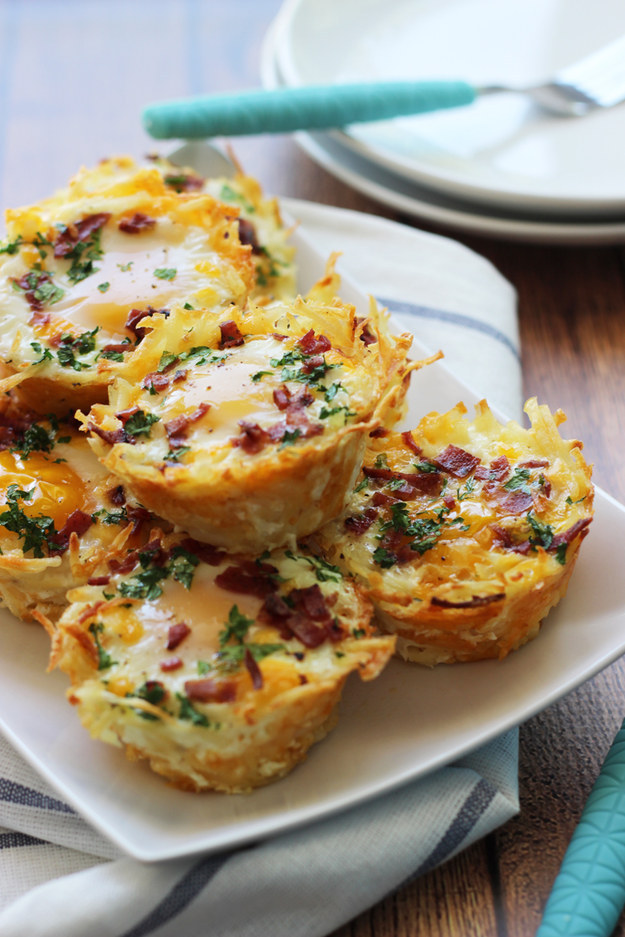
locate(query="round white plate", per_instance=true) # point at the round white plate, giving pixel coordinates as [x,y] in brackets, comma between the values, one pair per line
[501,151]
[426,204]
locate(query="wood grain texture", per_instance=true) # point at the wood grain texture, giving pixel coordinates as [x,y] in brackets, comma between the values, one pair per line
[71,95]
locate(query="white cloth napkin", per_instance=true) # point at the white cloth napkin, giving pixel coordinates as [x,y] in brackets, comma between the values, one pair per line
[61,878]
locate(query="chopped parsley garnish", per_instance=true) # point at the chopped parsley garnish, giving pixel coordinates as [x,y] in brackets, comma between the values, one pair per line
[11,247]
[542,533]
[188,712]
[203,353]
[46,354]
[36,438]
[146,584]
[463,493]
[518,481]
[165,273]
[384,558]
[425,467]
[324,571]
[126,267]
[83,255]
[39,285]
[71,346]
[140,423]
[229,194]
[36,532]
[104,658]
[232,644]
[290,436]
[103,287]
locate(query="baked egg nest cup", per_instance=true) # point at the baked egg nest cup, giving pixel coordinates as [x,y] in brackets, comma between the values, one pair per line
[248,431]
[62,513]
[465,532]
[80,270]
[221,670]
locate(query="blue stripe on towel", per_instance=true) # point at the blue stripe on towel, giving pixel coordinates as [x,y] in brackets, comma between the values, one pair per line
[180,896]
[14,793]
[13,840]
[475,805]
[454,318]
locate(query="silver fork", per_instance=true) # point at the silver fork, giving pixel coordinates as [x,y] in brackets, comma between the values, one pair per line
[597,81]
[594,82]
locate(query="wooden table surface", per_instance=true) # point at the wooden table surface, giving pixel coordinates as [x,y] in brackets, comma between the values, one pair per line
[74,76]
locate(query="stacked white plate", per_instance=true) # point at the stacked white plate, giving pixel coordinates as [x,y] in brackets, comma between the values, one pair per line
[499,167]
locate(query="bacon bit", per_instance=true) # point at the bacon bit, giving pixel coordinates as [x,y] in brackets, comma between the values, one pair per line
[377,433]
[252,438]
[120,347]
[311,363]
[497,470]
[579,527]
[138,516]
[247,235]
[137,223]
[409,441]
[366,335]
[125,565]
[511,502]
[476,601]
[180,375]
[176,635]
[124,415]
[98,581]
[248,578]
[381,499]
[204,551]
[279,337]
[111,436]
[535,463]
[177,428]
[39,318]
[211,691]
[91,611]
[158,380]
[424,482]
[285,399]
[253,669]
[136,315]
[30,287]
[300,621]
[503,538]
[230,335]
[171,663]
[312,344]
[359,523]
[77,523]
[117,496]
[79,231]
[303,679]
[457,462]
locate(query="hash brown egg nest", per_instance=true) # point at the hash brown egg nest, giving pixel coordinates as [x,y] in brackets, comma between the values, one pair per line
[60,514]
[248,431]
[465,532]
[221,670]
[80,270]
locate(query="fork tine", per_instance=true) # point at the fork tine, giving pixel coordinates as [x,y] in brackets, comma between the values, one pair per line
[600,75]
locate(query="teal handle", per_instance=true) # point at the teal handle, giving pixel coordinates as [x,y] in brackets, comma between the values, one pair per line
[308,108]
[589,892]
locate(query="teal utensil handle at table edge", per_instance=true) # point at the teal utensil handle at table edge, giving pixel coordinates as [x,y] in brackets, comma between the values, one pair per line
[283,110]
[589,892]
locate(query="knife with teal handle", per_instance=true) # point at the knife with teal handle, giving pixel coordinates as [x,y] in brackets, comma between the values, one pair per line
[589,892]
[307,108]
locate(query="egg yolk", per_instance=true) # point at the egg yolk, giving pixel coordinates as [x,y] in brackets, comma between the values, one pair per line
[56,490]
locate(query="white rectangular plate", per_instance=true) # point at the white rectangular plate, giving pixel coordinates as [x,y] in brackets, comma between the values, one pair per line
[397,728]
